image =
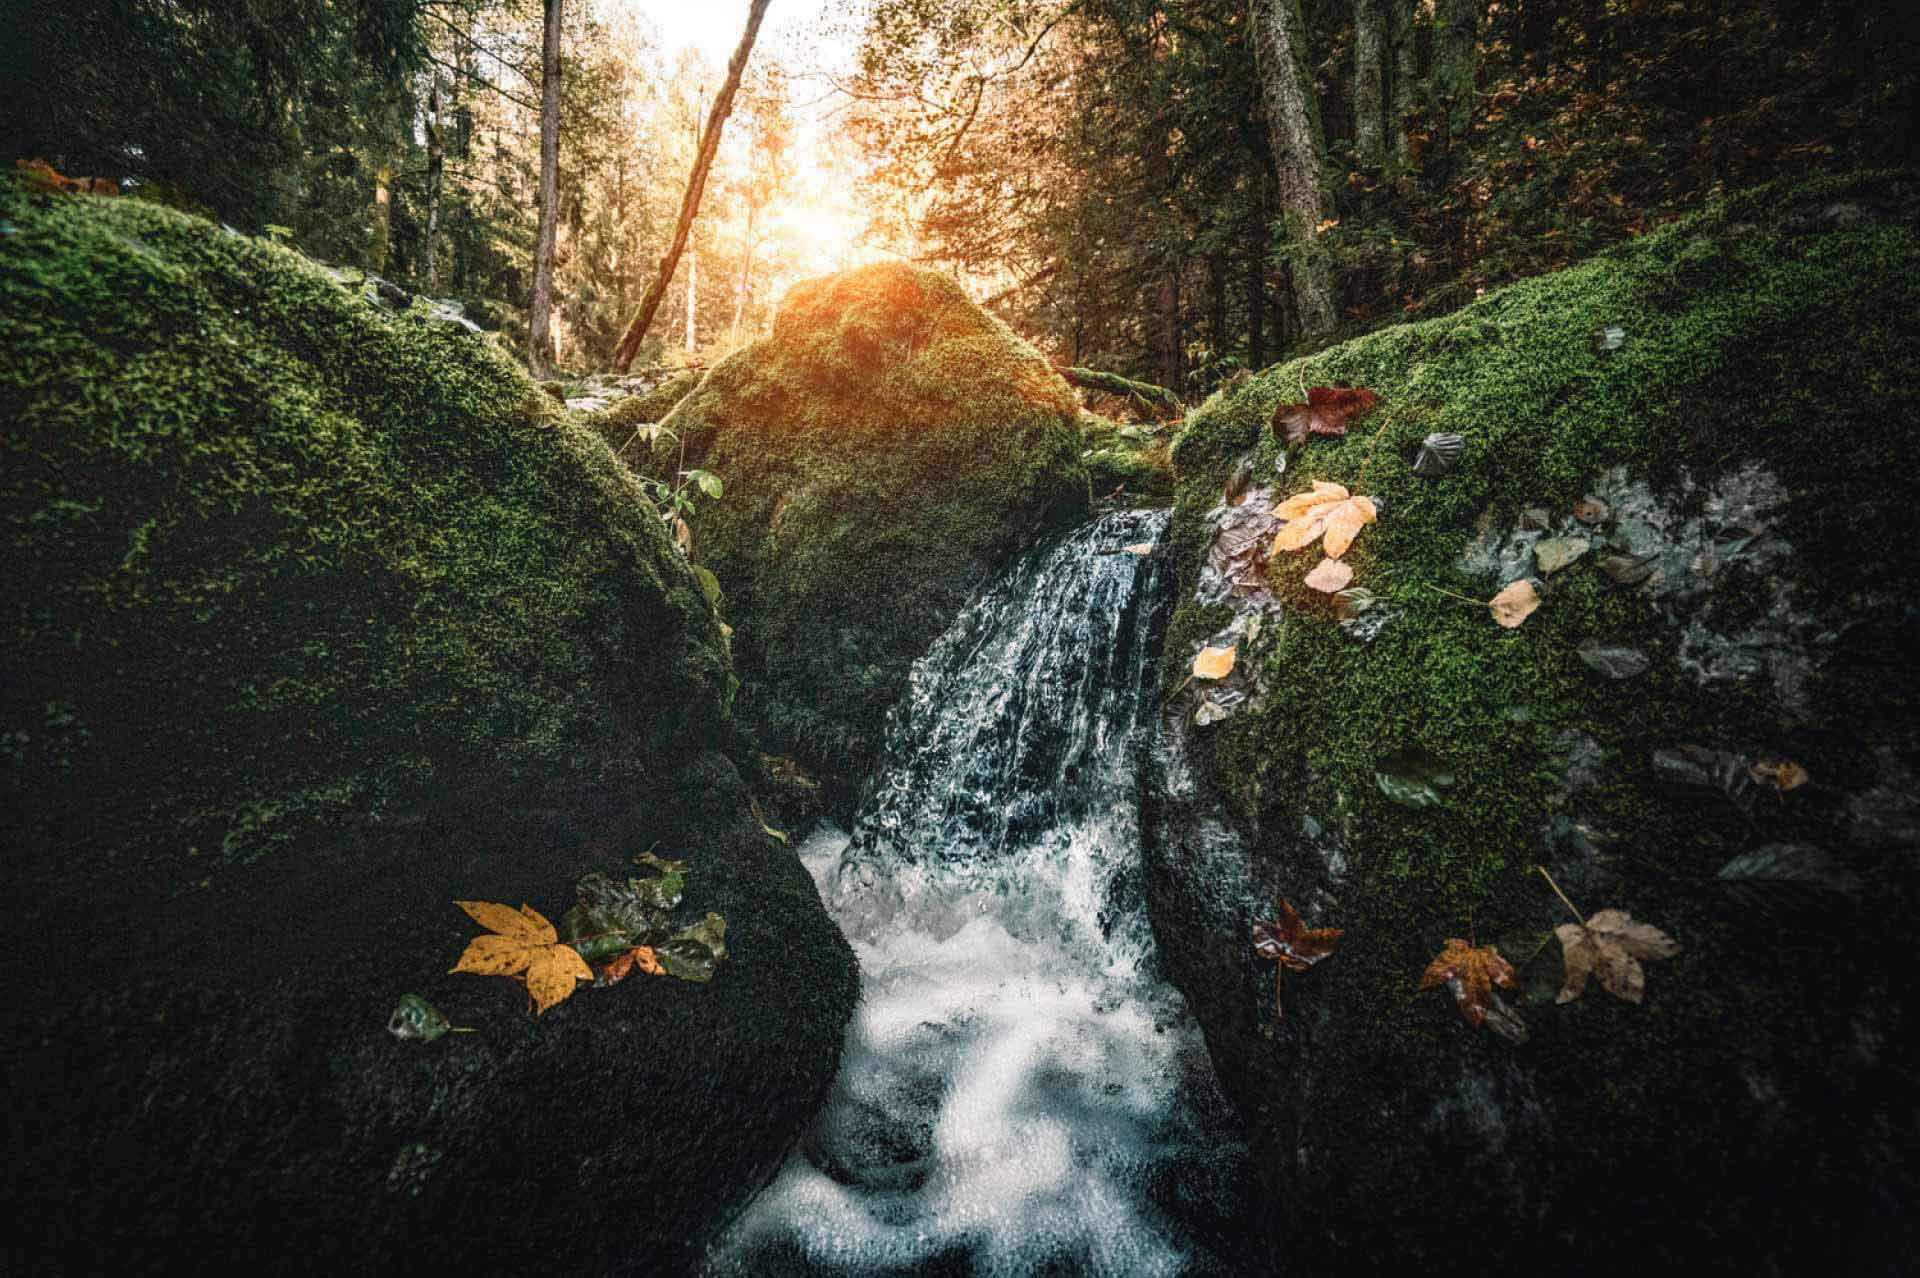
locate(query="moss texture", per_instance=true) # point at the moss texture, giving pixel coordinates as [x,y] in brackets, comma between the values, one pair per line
[1778,328]
[317,620]
[885,449]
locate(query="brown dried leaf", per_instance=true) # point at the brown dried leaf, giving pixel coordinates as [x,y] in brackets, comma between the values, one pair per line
[1782,774]
[1290,941]
[1329,410]
[1471,972]
[623,964]
[1214,663]
[1515,604]
[1612,944]
[1330,576]
[1329,509]
[1298,504]
[1139,548]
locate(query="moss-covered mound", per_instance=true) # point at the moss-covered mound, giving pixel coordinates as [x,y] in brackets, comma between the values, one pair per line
[1740,391]
[616,422]
[316,620]
[882,451]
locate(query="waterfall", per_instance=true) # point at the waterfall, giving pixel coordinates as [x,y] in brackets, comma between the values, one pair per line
[1021,1090]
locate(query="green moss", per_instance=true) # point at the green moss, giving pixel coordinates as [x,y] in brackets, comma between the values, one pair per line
[1732,353]
[276,558]
[1780,328]
[882,451]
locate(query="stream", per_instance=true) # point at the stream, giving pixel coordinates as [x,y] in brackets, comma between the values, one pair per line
[1021,1090]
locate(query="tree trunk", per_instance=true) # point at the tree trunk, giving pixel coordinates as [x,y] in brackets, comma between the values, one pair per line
[1299,151]
[1456,52]
[436,176]
[540,319]
[696,183]
[1170,324]
[1370,80]
[746,275]
[1217,302]
[1404,37]
[1257,286]
[693,293]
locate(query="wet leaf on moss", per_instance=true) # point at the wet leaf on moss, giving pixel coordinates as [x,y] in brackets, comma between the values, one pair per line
[522,944]
[1329,410]
[1413,777]
[1515,604]
[624,964]
[1614,660]
[1591,510]
[753,805]
[1556,553]
[1439,454]
[1328,510]
[416,1020]
[1612,945]
[1608,338]
[1470,972]
[1788,871]
[1782,774]
[1331,575]
[1289,942]
[1214,663]
[1628,570]
[1351,602]
[695,953]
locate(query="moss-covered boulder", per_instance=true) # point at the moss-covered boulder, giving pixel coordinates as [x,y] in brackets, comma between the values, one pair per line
[1740,392]
[883,451]
[318,619]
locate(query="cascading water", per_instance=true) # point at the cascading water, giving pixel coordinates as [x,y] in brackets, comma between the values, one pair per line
[1021,1092]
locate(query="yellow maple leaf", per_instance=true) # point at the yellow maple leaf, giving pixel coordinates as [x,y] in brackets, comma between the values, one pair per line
[1330,510]
[522,941]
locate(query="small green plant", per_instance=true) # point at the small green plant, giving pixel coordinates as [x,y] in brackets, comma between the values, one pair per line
[674,500]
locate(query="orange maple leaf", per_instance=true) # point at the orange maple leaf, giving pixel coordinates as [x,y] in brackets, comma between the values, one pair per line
[522,942]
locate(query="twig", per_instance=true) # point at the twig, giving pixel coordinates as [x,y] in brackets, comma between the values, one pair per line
[1478,603]
[1578,917]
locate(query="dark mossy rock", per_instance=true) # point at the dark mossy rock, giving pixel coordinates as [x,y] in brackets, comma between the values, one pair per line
[883,452]
[317,620]
[1753,440]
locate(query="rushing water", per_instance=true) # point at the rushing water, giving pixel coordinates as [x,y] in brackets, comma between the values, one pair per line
[1021,1091]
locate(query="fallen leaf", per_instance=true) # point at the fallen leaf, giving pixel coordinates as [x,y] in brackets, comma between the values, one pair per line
[753,805]
[1329,410]
[1556,553]
[1237,483]
[625,962]
[1782,774]
[693,954]
[1612,944]
[1471,972]
[1213,663]
[1515,604]
[1330,510]
[1412,777]
[1591,510]
[683,536]
[1331,575]
[1438,455]
[522,942]
[1352,602]
[1292,944]
[1139,548]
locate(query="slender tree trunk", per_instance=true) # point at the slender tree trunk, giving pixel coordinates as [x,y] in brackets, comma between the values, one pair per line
[1217,302]
[1170,372]
[436,177]
[693,292]
[1404,36]
[696,184]
[1456,53]
[1370,98]
[382,218]
[1299,152]
[746,276]
[1257,288]
[540,320]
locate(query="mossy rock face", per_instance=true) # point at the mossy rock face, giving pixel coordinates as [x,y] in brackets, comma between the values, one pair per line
[317,620]
[1751,429]
[883,451]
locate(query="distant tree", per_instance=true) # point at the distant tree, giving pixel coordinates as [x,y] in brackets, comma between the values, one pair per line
[540,355]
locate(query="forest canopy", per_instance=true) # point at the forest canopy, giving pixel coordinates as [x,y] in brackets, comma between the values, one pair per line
[1168,191]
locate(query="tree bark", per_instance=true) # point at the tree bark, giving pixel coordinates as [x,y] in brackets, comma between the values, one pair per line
[1299,153]
[1404,36]
[1257,285]
[1456,53]
[540,318]
[436,177]
[696,184]
[1370,80]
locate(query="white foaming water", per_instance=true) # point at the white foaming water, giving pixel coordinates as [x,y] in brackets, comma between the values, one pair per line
[1020,1091]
